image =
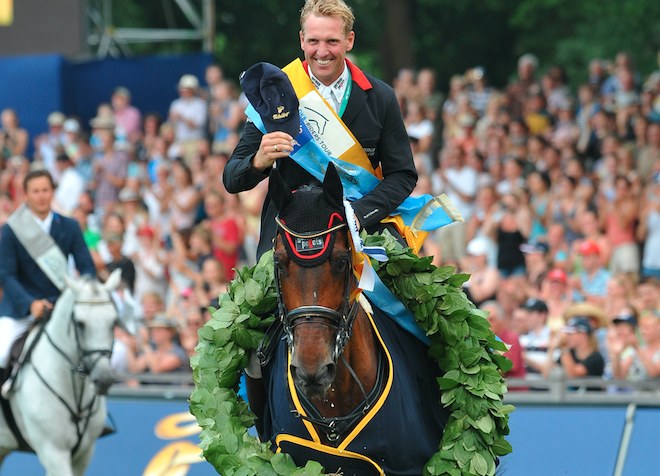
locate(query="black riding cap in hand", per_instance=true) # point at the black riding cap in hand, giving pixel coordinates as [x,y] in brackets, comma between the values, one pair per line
[308,212]
[270,92]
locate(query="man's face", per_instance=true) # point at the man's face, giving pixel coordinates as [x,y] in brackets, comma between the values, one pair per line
[648,294]
[38,196]
[186,93]
[325,46]
[590,262]
[150,307]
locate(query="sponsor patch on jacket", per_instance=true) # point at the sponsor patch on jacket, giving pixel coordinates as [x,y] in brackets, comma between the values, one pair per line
[370,151]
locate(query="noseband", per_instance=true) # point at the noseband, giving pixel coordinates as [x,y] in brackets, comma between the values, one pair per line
[341,320]
[82,352]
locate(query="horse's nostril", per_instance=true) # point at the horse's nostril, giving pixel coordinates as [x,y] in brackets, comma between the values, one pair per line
[326,374]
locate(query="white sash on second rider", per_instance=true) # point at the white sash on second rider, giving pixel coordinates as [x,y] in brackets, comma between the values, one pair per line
[44,251]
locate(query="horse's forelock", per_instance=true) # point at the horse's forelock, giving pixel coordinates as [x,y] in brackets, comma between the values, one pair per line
[91,290]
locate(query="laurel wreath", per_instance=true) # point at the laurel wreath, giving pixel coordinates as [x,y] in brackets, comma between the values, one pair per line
[461,342]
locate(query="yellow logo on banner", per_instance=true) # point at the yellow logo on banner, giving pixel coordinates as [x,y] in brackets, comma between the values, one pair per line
[175,459]
[6,12]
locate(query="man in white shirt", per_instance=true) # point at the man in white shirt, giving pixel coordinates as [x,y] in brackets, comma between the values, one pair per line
[459,182]
[70,187]
[188,114]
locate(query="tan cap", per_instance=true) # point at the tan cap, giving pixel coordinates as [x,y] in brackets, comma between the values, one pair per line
[103,122]
[56,119]
[188,81]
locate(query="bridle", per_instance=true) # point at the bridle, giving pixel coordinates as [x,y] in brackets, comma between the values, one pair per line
[334,428]
[341,320]
[81,412]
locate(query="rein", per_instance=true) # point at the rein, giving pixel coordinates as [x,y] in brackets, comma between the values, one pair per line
[334,428]
[80,412]
[342,321]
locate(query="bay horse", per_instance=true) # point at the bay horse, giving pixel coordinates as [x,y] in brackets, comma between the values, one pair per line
[346,386]
[58,397]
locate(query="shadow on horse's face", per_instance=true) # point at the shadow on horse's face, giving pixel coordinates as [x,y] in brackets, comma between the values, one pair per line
[313,349]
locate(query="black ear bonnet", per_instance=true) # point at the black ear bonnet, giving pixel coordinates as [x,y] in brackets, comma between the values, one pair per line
[306,217]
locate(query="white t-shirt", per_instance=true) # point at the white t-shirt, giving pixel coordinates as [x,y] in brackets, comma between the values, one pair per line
[421,129]
[193,109]
[69,190]
[463,180]
[651,258]
[536,347]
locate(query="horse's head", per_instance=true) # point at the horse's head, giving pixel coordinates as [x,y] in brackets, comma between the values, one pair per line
[314,278]
[93,321]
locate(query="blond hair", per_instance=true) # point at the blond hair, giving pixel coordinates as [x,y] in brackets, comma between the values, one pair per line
[328,8]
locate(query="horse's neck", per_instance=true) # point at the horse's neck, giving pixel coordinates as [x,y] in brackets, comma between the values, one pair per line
[361,353]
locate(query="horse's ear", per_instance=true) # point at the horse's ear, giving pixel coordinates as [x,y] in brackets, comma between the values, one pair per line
[333,191]
[113,280]
[279,192]
[72,284]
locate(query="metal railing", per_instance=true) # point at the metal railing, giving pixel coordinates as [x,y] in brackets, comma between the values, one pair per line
[558,389]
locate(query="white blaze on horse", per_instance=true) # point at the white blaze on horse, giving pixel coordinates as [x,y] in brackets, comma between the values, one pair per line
[58,399]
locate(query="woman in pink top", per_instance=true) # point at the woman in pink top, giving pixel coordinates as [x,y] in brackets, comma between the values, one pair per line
[184,197]
[618,218]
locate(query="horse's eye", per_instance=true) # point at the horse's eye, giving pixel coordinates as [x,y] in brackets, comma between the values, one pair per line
[80,325]
[341,263]
[281,267]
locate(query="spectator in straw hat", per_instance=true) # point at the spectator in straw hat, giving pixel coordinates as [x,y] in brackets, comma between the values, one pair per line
[598,320]
[577,350]
[49,145]
[165,355]
[189,116]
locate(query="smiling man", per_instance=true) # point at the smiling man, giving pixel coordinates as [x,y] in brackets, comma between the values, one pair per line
[366,106]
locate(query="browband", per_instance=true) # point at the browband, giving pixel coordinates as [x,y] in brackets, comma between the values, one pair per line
[311,235]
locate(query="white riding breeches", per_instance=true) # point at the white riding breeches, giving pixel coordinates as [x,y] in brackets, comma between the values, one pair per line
[10,329]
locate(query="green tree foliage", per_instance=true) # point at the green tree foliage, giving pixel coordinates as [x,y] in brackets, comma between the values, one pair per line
[570,33]
[449,36]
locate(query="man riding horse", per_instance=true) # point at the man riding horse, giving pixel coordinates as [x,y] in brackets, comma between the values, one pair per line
[367,106]
[34,248]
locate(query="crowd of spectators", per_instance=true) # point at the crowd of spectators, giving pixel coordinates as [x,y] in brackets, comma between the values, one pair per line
[559,189]
[560,192]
